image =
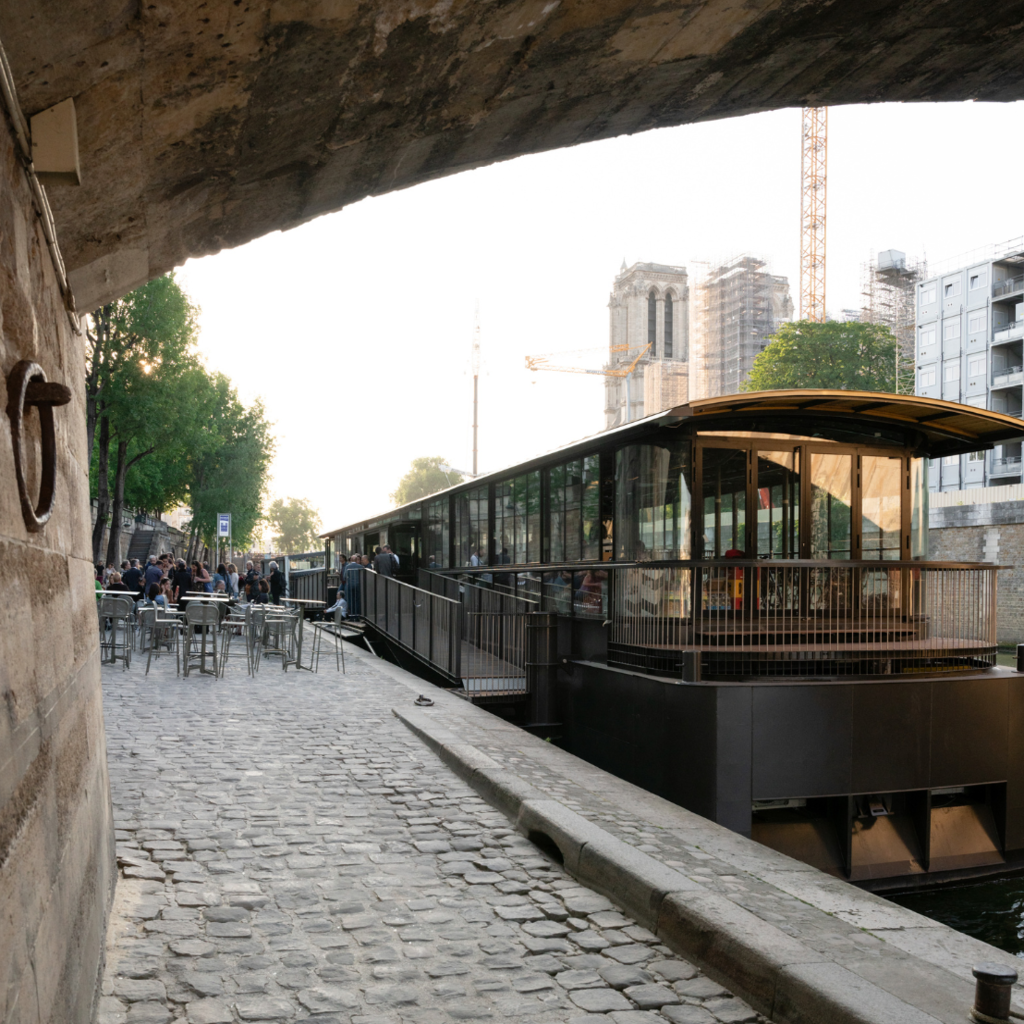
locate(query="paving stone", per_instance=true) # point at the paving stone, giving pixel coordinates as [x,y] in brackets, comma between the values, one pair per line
[600,1000]
[651,997]
[730,1011]
[673,970]
[687,1014]
[324,865]
[700,988]
[210,1011]
[635,1017]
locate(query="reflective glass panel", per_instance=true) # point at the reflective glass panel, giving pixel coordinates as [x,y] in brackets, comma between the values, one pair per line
[471,527]
[652,502]
[724,501]
[919,508]
[437,534]
[831,514]
[778,504]
[590,593]
[881,491]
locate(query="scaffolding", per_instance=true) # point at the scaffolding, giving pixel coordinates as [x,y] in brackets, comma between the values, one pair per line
[889,291]
[739,304]
[813,189]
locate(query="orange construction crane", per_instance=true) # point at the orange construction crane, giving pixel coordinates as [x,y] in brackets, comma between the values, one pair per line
[814,159]
[541,363]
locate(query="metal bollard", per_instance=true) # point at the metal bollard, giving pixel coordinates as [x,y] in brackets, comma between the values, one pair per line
[1020,657]
[992,992]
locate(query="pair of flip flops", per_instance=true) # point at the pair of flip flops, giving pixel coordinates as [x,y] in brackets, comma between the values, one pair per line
[423,702]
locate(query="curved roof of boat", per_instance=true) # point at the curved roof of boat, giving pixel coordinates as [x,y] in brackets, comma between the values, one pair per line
[929,426]
[943,428]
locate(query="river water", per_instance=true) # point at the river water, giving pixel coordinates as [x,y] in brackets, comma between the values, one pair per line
[990,911]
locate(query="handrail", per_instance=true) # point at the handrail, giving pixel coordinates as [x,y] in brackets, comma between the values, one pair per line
[690,563]
[1007,287]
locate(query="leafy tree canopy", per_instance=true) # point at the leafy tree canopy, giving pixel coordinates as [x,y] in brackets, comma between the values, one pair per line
[296,525]
[830,356]
[426,477]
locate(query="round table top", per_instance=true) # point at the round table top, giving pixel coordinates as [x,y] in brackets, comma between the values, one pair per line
[302,600]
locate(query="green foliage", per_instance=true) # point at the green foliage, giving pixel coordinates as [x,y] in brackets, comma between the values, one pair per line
[296,525]
[424,478]
[830,356]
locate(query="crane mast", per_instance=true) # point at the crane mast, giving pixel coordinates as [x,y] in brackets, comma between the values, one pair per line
[814,158]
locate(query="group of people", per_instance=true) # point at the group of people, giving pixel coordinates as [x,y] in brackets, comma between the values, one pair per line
[385,562]
[165,580]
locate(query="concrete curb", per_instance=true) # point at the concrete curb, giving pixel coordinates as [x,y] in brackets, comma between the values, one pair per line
[777,974]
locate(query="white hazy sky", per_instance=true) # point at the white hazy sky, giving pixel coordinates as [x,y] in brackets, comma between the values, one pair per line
[356,329]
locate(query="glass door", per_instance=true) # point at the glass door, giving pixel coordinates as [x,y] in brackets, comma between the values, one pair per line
[778,504]
[881,490]
[831,505]
[724,502]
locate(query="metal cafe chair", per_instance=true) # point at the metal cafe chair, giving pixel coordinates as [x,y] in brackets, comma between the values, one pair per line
[236,632]
[280,637]
[159,636]
[202,621]
[117,612]
[331,628]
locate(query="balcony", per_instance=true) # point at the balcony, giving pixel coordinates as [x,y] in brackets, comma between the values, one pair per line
[1003,288]
[1008,332]
[1008,466]
[1010,377]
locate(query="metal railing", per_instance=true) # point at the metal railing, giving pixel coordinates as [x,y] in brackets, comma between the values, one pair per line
[1007,287]
[1009,464]
[493,621]
[1001,378]
[308,584]
[750,619]
[428,625]
[1008,332]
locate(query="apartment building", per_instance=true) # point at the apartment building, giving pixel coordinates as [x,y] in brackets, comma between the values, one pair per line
[970,328]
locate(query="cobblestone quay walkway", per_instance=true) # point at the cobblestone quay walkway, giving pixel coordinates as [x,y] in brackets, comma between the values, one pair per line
[290,851]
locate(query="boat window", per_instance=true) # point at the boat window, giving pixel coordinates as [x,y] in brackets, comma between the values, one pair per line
[778,504]
[831,512]
[517,520]
[881,495]
[471,527]
[437,533]
[652,502]
[574,511]
[919,508]
[724,502]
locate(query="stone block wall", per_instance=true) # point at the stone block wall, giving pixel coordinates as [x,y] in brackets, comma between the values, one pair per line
[57,867]
[987,533]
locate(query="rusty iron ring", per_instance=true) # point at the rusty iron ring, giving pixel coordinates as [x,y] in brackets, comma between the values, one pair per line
[27,386]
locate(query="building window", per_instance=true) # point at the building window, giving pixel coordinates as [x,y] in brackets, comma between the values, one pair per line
[652,324]
[471,527]
[928,293]
[926,376]
[977,321]
[979,280]
[951,371]
[951,329]
[517,520]
[951,460]
[951,288]
[976,457]
[927,335]
[976,366]
[668,326]
[437,533]
[574,511]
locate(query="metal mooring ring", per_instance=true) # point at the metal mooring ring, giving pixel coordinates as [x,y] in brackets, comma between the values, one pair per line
[27,385]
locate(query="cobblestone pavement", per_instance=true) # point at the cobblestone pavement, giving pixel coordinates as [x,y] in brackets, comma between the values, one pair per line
[292,852]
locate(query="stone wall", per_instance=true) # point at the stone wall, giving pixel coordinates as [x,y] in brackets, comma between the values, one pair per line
[987,533]
[56,839]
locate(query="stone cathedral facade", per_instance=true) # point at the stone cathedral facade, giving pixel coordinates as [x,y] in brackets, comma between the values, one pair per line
[649,317]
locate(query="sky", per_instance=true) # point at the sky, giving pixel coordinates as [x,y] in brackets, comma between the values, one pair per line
[356,329]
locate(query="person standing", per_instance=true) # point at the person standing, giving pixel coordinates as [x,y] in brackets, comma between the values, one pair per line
[232,579]
[153,571]
[278,584]
[384,563]
[351,581]
[181,582]
[132,578]
[200,577]
[252,581]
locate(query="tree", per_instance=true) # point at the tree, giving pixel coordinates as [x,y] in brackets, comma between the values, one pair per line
[137,350]
[228,469]
[830,356]
[296,525]
[426,477]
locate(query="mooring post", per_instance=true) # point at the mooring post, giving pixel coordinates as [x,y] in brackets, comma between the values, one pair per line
[992,992]
[1020,657]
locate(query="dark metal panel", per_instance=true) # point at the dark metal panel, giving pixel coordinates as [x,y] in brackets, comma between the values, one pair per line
[802,741]
[733,727]
[969,731]
[1015,766]
[891,737]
